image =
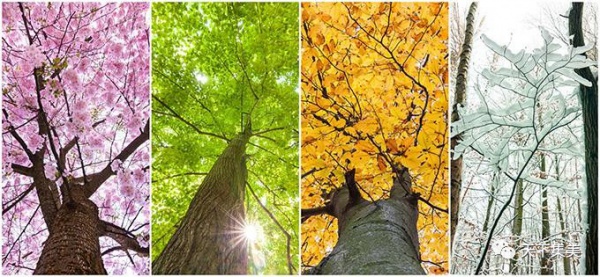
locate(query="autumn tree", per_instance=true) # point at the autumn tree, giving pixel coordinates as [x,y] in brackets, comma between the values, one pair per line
[225,138]
[75,124]
[374,106]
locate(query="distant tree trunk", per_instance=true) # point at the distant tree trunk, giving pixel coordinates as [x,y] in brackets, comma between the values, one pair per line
[460,99]
[561,221]
[209,239]
[517,226]
[73,245]
[490,210]
[589,104]
[546,266]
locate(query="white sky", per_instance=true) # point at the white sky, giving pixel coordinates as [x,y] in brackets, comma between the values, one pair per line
[511,23]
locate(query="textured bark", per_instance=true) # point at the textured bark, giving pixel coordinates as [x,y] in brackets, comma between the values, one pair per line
[73,245]
[208,240]
[460,99]
[546,263]
[589,104]
[517,226]
[375,237]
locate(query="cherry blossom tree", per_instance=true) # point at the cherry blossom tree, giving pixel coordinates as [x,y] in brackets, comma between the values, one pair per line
[75,122]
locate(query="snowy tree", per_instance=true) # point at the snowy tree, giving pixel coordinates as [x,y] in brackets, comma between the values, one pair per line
[526,109]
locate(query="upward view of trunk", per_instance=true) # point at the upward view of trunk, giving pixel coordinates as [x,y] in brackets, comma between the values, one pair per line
[517,226]
[589,104]
[73,245]
[209,239]
[546,266]
[375,237]
[459,100]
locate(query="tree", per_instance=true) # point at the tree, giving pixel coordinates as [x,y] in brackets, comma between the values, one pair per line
[514,135]
[363,239]
[75,114]
[588,96]
[460,92]
[225,138]
[374,102]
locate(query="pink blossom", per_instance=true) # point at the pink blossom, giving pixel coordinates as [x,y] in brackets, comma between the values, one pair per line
[116,165]
[139,176]
[34,55]
[127,190]
[71,77]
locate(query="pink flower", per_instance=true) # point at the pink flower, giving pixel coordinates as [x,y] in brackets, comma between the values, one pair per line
[70,76]
[34,56]
[127,190]
[139,176]
[115,165]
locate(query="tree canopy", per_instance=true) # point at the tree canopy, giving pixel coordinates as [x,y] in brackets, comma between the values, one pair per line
[374,98]
[75,85]
[215,66]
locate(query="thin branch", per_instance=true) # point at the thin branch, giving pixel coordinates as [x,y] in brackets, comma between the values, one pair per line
[287,235]
[18,199]
[176,115]
[181,175]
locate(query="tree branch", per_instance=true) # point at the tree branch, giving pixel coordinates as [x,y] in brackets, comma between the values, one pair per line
[176,115]
[126,239]
[23,170]
[287,235]
[18,199]
[97,179]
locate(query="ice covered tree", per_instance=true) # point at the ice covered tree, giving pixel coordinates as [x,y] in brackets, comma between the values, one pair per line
[527,108]
[75,129]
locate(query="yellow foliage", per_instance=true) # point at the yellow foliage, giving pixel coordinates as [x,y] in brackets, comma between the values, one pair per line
[374,96]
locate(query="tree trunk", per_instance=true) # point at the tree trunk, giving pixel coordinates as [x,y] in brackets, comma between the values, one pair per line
[517,226]
[589,104]
[561,222]
[73,245]
[210,239]
[376,239]
[460,99]
[546,265]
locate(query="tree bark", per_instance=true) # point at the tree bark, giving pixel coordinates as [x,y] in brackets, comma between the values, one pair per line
[589,104]
[517,226]
[376,239]
[209,239]
[73,246]
[460,99]
[546,264]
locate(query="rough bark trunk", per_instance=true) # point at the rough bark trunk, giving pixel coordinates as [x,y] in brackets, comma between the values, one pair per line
[589,104]
[73,245]
[546,263]
[460,99]
[376,239]
[517,226]
[209,239]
